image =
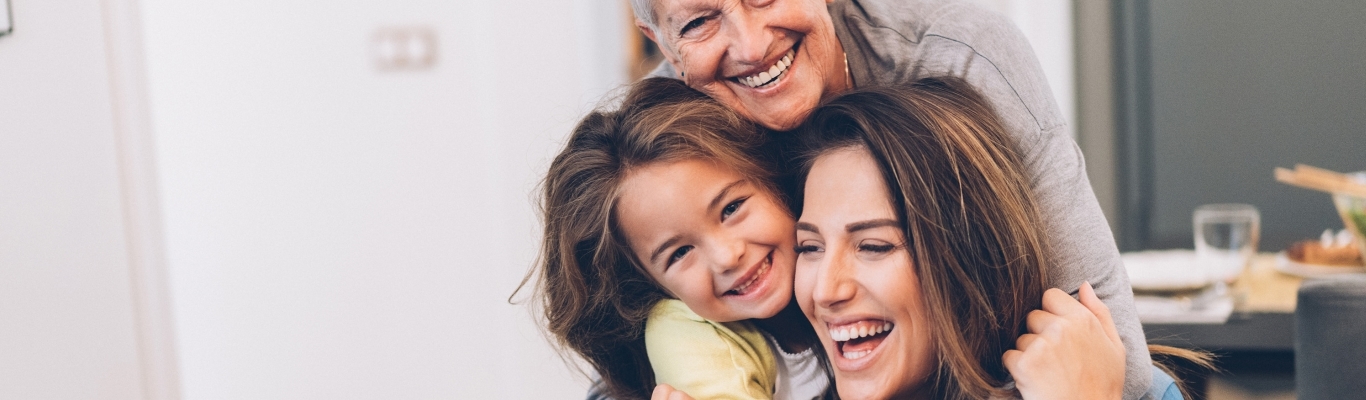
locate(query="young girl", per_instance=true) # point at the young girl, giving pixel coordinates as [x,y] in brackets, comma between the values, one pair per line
[668,255]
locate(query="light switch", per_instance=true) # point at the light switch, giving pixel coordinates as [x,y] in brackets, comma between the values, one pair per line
[404,48]
[6,22]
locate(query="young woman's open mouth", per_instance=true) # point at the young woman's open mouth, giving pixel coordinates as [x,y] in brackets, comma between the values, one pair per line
[855,342]
[755,281]
[768,78]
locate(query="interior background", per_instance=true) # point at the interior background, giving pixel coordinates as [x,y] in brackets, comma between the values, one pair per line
[252,200]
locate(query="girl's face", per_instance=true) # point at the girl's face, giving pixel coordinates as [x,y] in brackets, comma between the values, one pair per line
[714,239]
[856,283]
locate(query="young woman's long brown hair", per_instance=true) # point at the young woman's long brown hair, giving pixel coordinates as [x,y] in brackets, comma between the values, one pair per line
[595,296]
[970,221]
[968,217]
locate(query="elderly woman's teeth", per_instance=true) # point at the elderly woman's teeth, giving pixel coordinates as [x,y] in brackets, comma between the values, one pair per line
[773,73]
[862,329]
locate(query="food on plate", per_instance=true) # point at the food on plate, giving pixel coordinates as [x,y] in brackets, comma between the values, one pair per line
[1356,218]
[1330,249]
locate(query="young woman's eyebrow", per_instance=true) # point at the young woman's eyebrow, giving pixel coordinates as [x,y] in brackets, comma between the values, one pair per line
[807,226]
[869,224]
[722,195]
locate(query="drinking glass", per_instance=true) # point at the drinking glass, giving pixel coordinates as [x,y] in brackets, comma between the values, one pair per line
[1226,238]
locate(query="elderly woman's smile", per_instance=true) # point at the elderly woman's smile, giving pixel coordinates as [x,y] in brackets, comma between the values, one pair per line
[772,74]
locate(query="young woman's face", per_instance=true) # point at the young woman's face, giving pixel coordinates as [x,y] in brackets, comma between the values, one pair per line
[769,60]
[856,283]
[714,239]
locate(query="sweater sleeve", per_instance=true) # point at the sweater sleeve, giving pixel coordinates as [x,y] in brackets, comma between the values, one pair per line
[1082,246]
[708,360]
[899,41]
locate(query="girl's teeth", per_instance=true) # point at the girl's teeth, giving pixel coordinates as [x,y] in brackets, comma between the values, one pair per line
[854,355]
[762,270]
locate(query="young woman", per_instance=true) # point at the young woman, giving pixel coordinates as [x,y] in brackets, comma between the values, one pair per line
[921,264]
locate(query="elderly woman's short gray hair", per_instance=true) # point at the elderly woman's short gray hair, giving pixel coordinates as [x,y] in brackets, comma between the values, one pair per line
[645,12]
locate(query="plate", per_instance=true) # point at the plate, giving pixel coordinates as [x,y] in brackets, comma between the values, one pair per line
[1292,267]
[1164,270]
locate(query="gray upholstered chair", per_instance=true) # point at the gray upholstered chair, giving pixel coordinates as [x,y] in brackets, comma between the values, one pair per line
[1330,339]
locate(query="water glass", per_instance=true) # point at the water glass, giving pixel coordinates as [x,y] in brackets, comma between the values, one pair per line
[1226,238]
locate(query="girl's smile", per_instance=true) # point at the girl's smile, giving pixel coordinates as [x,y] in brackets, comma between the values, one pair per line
[755,283]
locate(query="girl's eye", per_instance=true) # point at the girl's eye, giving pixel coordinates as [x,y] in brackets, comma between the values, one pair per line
[678,254]
[731,208]
[807,248]
[876,247]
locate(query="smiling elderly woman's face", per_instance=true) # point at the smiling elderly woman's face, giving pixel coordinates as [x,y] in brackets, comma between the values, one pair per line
[770,60]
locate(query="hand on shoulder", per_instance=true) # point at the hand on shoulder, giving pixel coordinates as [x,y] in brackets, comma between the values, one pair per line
[1071,350]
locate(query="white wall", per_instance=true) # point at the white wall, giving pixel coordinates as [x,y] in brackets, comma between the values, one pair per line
[338,232]
[67,312]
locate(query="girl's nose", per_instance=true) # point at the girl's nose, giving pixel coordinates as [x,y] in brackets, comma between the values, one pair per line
[727,254]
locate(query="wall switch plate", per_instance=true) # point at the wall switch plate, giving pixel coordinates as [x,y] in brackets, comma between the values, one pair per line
[404,48]
[6,22]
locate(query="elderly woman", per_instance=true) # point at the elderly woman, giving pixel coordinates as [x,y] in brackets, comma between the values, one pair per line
[774,61]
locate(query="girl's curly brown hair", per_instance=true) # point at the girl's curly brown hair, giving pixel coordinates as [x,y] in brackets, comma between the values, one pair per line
[594,294]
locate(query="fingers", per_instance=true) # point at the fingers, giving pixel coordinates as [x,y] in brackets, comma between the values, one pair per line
[1059,302]
[1039,320]
[662,392]
[1022,343]
[1088,297]
[1011,360]
[666,392]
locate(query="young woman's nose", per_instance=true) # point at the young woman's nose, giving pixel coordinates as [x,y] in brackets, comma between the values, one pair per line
[834,285]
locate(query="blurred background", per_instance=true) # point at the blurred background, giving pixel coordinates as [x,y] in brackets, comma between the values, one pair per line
[304,199]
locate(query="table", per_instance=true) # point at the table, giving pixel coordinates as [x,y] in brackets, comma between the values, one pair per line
[1263,315]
